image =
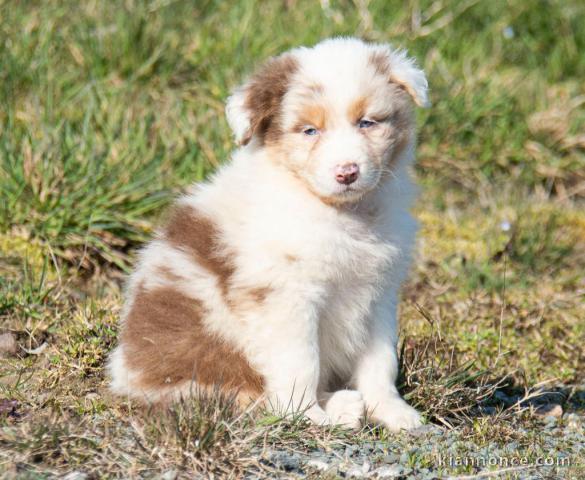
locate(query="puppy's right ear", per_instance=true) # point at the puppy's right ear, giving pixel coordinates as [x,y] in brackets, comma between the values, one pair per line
[238,116]
[252,109]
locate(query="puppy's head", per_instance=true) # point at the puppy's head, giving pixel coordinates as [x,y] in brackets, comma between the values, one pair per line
[338,115]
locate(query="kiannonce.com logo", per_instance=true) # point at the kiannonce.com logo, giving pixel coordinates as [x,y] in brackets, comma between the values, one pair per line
[503,462]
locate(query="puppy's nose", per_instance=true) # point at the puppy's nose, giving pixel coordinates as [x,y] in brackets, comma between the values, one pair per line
[347,173]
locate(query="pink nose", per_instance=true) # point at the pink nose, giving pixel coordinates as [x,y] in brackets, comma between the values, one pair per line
[347,173]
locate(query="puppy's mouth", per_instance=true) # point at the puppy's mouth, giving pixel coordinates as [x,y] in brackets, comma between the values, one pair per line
[350,193]
[357,188]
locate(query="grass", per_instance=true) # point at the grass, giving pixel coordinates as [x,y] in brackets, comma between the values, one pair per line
[109,110]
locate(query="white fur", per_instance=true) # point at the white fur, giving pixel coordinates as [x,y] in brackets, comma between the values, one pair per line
[333,308]
[237,116]
[405,70]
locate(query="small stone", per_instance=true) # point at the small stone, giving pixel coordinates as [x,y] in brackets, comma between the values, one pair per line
[8,407]
[319,464]
[550,410]
[573,421]
[285,461]
[169,475]
[75,475]
[350,450]
[422,430]
[355,472]
[380,447]
[358,471]
[512,447]
[550,420]
[487,410]
[367,447]
[388,471]
[8,345]
[502,397]
[391,458]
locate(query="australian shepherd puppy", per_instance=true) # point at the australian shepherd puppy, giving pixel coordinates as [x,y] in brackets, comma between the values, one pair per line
[278,280]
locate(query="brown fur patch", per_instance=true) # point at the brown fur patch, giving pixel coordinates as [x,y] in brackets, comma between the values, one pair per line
[264,96]
[357,109]
[402,117]
[403,125]
[260,294]
[312,115]
[381,64]
[167,344]
[168,274]
[190,230]
[245,298]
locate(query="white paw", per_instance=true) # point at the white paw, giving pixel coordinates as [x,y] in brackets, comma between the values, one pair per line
[318,416]
[395,414]
[346,407]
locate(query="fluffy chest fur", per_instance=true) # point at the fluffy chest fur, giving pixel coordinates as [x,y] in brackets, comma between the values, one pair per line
[340,261]
[281,232]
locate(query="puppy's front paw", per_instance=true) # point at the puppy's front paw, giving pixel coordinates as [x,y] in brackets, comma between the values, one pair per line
[318,416]
[346,407]
[395,414]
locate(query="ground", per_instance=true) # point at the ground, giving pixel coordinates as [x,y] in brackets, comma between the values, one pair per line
[111,109]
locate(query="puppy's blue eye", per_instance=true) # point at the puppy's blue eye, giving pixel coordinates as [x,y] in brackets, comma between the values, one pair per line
[366,123]
[310,131]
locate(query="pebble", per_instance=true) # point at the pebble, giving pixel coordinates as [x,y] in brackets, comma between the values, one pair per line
[389,471]
[358,471]
[550,421]
[546,411]
[169,475]
[423,430]
[380,447]
[391,458]
[354,472]
[318,464]
[75,475]
[8,345]
[502,397]
[8,407]
[351,450]
[487,410]
[285,460]
[573,421]
[512,446]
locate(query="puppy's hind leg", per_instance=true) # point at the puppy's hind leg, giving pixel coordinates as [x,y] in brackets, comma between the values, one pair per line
[286,353]
[292,376]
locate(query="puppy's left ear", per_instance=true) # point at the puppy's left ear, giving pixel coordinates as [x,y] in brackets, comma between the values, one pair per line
[252,108]
[405,72]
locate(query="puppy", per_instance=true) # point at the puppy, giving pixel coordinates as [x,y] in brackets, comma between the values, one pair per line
[278,279]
